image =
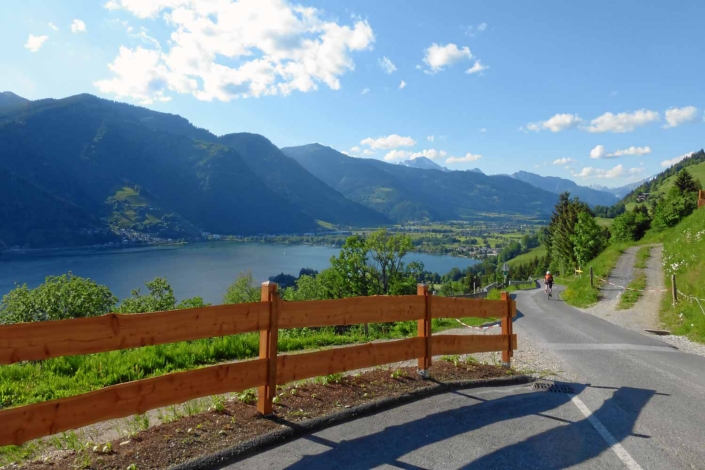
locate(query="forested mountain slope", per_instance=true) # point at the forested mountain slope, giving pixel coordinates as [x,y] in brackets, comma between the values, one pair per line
[101,159]
[287,178]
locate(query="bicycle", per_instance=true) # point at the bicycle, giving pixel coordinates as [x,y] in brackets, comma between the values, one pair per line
[549,291]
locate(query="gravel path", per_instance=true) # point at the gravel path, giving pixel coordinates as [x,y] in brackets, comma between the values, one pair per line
[622,275]
[645,313]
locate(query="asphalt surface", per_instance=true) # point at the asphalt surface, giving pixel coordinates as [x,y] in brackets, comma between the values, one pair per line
[639,403]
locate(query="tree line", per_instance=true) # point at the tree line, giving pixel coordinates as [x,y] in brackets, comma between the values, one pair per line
[573,238]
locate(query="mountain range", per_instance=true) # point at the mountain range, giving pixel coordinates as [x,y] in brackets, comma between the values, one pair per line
[553,184]
[84,170]
[621,191]
[404,193]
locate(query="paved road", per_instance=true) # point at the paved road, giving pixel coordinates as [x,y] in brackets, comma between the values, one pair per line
[640,403]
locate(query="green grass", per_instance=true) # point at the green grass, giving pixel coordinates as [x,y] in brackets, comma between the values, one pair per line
[603,221]
[630,297]
[684,256]
[539,251]
[578,292]
[642,257]
[33,382]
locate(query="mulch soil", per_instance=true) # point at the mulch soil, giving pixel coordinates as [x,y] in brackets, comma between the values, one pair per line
[205,433]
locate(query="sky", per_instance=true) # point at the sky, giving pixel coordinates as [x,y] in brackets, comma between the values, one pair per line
[599,92]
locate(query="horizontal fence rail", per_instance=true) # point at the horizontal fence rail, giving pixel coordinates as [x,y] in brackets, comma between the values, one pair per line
[45,340]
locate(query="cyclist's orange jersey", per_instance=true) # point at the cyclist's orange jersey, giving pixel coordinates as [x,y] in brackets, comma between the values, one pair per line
[548,278]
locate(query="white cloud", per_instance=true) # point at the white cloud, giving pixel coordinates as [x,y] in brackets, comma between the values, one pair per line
[397,155]
[469,157]
[367,152]
[470,30]
[53,26]
[139,75]
[78,26]
[34,43]
[677,116]
[365,91]
[388,142]
[112,5]
[484,129]
[477,68]
[430,153]
[564,161]
[387,65]
[355,149]
[616,172]
[600,152]
[407,155]
[224,49]
[622,122]
[673,161]
[437,56]
[557,123]
[402,85]
[431,138]
[638,151]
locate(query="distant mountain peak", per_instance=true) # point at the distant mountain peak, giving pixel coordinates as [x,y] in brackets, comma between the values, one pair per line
[477,170]
[423,163]
[10,100]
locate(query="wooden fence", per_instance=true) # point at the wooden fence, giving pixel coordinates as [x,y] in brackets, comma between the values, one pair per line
[45,340]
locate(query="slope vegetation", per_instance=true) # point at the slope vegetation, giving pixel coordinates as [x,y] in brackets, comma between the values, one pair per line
[684,257]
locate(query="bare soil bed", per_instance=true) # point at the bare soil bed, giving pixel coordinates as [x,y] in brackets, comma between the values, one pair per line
[237,421]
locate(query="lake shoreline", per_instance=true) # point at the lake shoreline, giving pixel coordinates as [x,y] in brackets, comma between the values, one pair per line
[92,249]
[193,270]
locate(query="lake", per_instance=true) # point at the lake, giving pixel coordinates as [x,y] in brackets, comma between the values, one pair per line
[200,269]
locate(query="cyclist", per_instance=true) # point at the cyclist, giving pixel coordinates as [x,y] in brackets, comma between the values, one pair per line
[548,281]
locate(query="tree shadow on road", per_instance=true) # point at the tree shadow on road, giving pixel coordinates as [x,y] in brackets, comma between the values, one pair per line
[555,443]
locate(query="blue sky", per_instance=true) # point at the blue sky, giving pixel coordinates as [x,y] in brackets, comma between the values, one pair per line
[599,92]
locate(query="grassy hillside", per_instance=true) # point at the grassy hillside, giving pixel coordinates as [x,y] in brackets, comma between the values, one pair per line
[684,256]
[661,183]
[539,251]
[603,221]
[697,171]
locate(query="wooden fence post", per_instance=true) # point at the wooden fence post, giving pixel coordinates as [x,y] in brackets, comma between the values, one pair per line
[424,331]
[507,328]
[592,279]
[673,289]
[268,349]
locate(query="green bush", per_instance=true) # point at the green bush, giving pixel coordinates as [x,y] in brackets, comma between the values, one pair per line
[630,226]
[674,208]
